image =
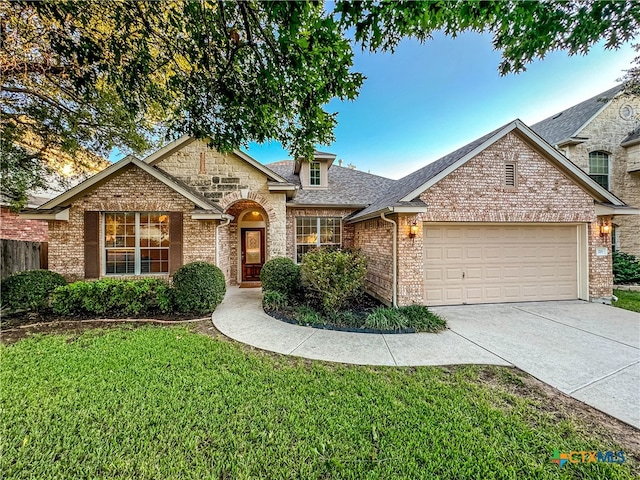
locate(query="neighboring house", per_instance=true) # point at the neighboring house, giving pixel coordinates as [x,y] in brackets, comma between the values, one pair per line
[12,227]
[505,218]
[602,136]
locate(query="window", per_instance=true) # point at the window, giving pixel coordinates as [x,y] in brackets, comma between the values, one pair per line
[313,232]
[314,174]
[510,175]
[615,239]
[136,243]
[599,168]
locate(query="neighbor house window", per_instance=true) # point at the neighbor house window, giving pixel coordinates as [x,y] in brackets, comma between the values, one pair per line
[314,174]
[599,168]
[314,232]
[136,243]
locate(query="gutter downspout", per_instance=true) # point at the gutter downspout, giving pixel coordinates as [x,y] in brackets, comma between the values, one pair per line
[223,224]
[395,258]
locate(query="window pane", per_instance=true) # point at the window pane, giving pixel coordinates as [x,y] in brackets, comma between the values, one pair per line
[120,261]
[598,163]
[603,180]
[314,173]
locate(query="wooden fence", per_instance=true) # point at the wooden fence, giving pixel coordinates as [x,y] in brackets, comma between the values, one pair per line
[18,256]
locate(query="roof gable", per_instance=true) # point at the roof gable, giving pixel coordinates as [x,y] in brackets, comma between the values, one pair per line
[410,187]
[114,169]
[568,123]
[159,155]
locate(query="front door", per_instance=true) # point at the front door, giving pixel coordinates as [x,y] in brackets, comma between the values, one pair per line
[252,241]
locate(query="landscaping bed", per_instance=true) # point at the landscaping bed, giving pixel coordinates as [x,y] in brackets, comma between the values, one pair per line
[327,291]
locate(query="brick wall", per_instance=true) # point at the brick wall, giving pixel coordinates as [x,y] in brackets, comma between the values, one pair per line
[13,227]
[475,193]
[375,239]
[130,190]
[605,133]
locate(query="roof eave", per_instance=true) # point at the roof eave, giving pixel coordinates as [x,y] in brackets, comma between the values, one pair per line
[608,209]
[50,214]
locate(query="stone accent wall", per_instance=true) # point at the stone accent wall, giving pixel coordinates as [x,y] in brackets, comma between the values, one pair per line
[13,227]
[605,133]
[226,179]
[375,238]
[132,190]
[293,213]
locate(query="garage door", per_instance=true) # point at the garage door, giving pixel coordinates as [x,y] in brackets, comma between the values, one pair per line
[500,263]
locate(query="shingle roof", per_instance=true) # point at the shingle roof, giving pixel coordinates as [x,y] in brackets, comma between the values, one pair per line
[346,186]
[565,124]
[632,138]
[411,182]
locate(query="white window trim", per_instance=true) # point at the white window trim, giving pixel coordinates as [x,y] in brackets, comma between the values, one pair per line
[609,172]
[318,244]
[311,164]
[137,261]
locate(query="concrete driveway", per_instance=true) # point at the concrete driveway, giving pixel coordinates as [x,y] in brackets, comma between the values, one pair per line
[587,350]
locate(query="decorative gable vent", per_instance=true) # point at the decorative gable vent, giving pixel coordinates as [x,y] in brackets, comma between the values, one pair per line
[510,175]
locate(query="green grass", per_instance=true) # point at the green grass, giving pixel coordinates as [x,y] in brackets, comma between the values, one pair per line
[627,300]
[156,403]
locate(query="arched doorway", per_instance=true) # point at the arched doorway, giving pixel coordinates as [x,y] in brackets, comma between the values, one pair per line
[252,244]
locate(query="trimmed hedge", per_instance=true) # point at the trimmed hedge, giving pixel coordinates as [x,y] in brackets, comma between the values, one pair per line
[198,287]
[113,297]
[30,290]
[280,275]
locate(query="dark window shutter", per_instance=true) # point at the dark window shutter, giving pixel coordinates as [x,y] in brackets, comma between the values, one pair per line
[175,239]
[91,244]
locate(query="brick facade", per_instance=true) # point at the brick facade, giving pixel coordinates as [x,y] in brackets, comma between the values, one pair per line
[605,133]
[14,228]
[375,239]
[130,190]
[475,192]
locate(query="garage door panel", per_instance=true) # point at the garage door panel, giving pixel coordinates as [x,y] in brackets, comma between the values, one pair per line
[487,264]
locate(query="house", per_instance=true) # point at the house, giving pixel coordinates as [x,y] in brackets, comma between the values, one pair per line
[602,136]
[505,218]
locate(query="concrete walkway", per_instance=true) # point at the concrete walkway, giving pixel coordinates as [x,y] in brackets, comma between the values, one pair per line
[589,351]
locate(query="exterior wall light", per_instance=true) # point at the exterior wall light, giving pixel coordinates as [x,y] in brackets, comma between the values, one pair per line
[413,230]
[605,229]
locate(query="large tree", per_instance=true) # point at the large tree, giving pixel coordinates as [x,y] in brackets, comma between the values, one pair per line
[87,76]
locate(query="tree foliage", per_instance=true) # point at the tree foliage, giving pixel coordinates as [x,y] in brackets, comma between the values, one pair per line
[91,75]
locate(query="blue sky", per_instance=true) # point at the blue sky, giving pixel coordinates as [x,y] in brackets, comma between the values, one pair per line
[424,101]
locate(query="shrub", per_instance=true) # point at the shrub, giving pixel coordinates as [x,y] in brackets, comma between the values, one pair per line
[198,287]
[335,276]
[423,320]
[30,290]
[386,319]
[280,275]
[626,268]
[273,300]
[308,316]
[113,297]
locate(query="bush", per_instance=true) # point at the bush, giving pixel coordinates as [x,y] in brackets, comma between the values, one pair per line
[198,287]
[386,319]
[626,268]
[273,300]
[113,297]
[308,316]
[30,290]
[421,319]
[335,276]
[280,275]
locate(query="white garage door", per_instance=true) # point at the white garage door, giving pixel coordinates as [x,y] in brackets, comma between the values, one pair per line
[500,263]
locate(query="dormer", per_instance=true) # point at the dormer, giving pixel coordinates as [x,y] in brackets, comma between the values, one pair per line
[314,174]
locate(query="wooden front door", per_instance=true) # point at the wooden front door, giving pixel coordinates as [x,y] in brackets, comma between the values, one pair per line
[252,248]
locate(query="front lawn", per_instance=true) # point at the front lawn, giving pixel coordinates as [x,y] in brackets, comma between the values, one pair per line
[627,300]
[157,403]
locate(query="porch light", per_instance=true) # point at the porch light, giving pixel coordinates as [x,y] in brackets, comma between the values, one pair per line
[413,230]
[605,229]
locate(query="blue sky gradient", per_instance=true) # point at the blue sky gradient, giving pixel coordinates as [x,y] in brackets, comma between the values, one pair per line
[426,100]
